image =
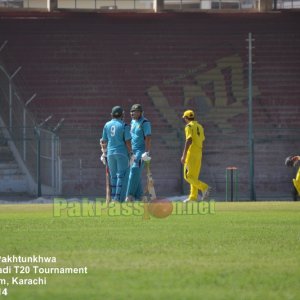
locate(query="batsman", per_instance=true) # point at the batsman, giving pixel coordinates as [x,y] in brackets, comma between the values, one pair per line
[141,142]
[116,147]
[192,156]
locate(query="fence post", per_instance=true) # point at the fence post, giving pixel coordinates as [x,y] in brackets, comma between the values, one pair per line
[250,121]
[24,125]
[38,160]
[56,168]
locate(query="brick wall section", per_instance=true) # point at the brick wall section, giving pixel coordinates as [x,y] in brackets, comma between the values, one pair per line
[80,65]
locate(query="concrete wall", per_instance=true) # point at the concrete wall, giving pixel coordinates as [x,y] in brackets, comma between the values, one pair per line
[80,66]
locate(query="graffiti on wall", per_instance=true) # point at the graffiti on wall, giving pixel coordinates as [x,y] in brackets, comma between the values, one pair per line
[218,92]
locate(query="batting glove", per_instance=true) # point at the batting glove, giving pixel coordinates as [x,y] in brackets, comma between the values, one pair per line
[103,159]
[103,147]
[132,158]
[146,156]
[103,150]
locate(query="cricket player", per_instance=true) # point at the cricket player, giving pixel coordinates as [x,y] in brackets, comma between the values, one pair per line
[192,156]
[296,180]
[140,129]
[116,146]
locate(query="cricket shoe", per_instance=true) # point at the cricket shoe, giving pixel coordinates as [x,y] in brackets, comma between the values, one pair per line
[129,199]
[205,194]
[188,200]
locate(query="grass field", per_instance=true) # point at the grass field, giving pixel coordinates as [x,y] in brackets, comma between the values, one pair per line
[242,251]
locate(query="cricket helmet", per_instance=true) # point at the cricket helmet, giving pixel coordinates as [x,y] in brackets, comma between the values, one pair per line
[136,107]
[188,114]
[117,111]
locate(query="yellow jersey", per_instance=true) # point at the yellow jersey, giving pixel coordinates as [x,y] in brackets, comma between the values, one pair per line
[195,131]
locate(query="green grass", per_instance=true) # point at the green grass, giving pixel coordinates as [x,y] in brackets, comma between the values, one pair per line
[243,251]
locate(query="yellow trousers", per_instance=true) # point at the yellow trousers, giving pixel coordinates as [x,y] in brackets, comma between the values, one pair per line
[296,182]
[191,169]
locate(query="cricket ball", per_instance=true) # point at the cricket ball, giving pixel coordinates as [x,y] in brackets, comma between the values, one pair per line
[160,208]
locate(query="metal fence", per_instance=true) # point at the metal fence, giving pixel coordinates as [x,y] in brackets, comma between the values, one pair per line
[133,4]
[148,4]
[288,4]
[36,149]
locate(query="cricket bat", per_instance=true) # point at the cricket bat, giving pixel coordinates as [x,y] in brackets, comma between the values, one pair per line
[150,194]
[107,183]
[150,183]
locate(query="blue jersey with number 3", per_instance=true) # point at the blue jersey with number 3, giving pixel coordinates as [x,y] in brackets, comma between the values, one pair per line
[115,133]
[139,129]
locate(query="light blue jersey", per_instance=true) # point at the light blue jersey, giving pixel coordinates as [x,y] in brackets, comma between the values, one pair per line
[115,133]
[139,129]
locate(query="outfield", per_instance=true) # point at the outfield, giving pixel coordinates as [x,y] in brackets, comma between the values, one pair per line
[242,251]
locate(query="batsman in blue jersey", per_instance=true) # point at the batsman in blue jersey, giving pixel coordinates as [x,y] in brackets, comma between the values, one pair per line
[116,147]
[140,129]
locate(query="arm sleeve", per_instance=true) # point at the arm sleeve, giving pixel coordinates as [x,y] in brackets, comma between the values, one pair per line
[188,132]
[147,128]
[127,134]
[104,134]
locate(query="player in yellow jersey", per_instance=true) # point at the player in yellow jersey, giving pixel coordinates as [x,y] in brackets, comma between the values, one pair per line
[192,156]
[291,161]
[296,180]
